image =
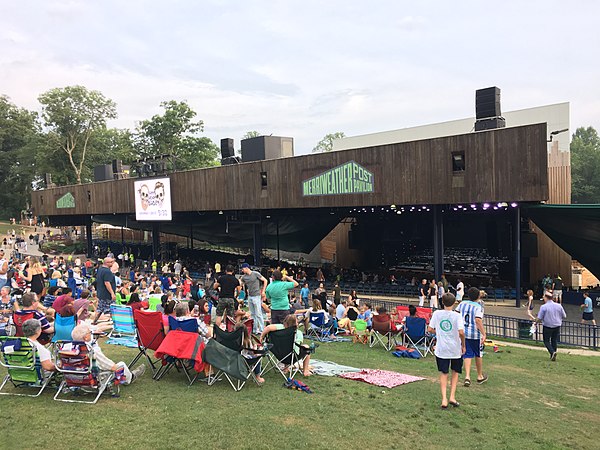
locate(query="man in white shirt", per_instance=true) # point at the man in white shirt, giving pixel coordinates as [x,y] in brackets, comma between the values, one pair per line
[449,329]
[32,329]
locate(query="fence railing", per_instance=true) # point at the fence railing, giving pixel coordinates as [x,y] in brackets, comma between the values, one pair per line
[571,333]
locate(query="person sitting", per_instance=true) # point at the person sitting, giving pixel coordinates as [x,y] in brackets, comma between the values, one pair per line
[135,302]
[340,310]
[51,296]
[30,304]
[316,308]
[63,299]
[412,312]
[349,316]
[366,314]
[182,312]
[83,333]
[32,329]
[300,348]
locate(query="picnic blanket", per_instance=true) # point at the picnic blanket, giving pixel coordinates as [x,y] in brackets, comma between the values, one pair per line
[383,378]
[330,369]
[331,338]
[127,341]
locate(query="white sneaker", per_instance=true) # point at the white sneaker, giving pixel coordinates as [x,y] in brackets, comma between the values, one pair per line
[136,373]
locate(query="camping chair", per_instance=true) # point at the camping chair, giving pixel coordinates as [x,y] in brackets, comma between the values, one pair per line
[317,326]
[231,323]
[182,349]
[360,333]
[282,352]
[75,360]
[415,335]
[150,334]
[18,319]
[153,302]
[171,360]
[189,325]
[384,332]
[424,313]
[229,363]
[23,366]
[63,326]
[123,323]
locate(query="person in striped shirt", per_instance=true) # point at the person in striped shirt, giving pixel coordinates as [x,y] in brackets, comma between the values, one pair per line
[472,314]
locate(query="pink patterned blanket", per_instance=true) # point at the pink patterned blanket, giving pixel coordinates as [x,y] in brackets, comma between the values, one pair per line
[384,378]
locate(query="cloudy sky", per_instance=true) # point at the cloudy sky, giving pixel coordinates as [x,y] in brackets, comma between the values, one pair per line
[305,68]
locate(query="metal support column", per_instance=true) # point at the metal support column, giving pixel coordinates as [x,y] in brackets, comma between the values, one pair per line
[88,237]
[156,241]
[257,248]
[191,237]
[516,229]
[278,256]
[438,242]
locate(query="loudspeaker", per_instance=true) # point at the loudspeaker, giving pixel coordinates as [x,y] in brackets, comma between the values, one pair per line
[230,160]
[487,103]
[117,167]
[227,150]
[48,179]
[529,245]
[103,172]
[490,124]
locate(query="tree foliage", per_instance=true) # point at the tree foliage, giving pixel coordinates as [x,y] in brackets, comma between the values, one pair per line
[251,134]
[72,115]
[176,132]
[326,144]
[19,136]
[585,164]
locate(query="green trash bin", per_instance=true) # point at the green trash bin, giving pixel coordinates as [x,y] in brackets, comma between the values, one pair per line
[524,326]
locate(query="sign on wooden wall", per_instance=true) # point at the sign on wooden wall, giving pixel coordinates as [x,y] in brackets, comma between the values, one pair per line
[347,178]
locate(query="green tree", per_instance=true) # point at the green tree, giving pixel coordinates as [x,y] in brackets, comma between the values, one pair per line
[585,164]
[72,115]
[326,144]
[19,136]
[176,132]
[251,134]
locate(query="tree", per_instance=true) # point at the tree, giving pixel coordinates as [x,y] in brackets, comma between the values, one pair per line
[326,144]
[19,135]
[251,134]
[72,115]
[585,163]
[176,133]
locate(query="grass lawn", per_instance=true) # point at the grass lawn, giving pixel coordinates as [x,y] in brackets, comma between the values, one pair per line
[529,402]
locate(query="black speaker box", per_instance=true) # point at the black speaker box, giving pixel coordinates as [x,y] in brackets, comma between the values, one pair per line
[487,103]
[103,172]
[227,150]
[490,124]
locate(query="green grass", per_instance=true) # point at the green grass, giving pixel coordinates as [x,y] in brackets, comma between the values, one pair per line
[528,402]
[5,227]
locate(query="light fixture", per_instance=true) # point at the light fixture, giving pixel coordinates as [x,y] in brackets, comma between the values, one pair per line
[221,212]
[513,204]
[486,205]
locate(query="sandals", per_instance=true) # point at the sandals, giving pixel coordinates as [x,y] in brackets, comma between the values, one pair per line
[455,404]
[467,382]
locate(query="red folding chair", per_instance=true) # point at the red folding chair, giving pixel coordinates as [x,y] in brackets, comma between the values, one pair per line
[424,313]
[150,334]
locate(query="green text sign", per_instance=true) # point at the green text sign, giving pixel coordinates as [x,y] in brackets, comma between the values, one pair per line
[66,201]
[348,178]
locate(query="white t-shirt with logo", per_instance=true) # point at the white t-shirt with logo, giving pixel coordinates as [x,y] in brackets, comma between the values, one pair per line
[447,325]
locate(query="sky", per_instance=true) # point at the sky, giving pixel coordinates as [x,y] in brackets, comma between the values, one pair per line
[305,68]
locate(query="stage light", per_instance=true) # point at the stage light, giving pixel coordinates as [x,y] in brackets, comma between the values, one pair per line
[486,205]
[398,212]
[495,207]
[393,206]
[513,204]
[473,205]
[221,212]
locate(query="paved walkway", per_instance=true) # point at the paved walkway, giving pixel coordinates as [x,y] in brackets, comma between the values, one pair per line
[566,351]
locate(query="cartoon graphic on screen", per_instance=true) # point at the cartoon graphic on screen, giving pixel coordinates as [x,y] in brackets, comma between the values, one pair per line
[144,195]
[159,192]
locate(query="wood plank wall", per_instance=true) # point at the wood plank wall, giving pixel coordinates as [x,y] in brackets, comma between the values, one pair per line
[551,258]
[508,164]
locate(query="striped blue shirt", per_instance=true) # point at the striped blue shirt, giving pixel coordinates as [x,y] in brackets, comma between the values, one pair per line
[469,311]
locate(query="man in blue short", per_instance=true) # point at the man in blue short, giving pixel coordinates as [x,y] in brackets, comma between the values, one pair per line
[472,314]
[588,309]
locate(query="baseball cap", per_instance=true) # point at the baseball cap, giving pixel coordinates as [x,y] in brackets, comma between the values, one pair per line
[245,266]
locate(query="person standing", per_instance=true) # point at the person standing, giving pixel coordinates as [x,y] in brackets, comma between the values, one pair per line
[588,309]
[106,287]
[432,294]
[472,314]
[530,305]
[449,329]
[305,294]
[557,287]
[229,287]
[3,269]
[177,268]
[460,290]
[551,316]
[277,293]
[256,293]
[423,290]
[337,294]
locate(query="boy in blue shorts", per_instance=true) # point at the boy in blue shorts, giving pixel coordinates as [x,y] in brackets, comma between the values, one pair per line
[472,314]
[448,327]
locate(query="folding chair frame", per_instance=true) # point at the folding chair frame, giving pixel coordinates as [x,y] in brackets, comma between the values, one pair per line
[387,340]
[319,332]
[115,332]
[43,378]
[425,341]
[104,382]
[143,350]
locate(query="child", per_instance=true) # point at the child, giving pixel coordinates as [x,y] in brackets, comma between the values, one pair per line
[449,329]
[530,305]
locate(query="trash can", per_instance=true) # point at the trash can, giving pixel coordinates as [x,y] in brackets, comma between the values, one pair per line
[524,326]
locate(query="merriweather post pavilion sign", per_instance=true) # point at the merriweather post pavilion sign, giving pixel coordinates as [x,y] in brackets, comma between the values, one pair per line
[348,178]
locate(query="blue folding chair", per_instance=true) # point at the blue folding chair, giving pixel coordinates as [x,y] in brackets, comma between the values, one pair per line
[63,326]
[415,335]
[189,325]
[317,326]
